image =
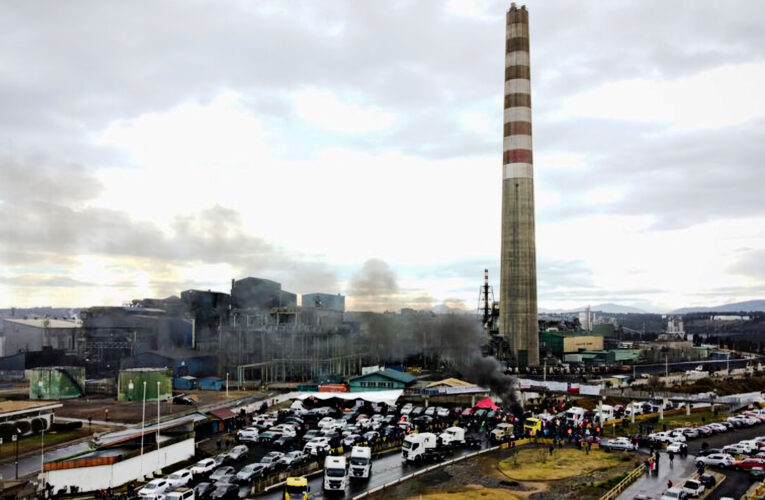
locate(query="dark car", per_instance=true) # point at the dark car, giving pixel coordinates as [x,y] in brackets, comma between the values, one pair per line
[221,472]
[251,472]
[284,443]
[203,490]
[225,490]
[183,400]
[310,435]
[334,438]
[422,420]
[707,480]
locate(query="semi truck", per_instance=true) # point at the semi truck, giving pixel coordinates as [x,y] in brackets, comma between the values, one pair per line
[422,447]
[335,474]
[361,462]
[455,437]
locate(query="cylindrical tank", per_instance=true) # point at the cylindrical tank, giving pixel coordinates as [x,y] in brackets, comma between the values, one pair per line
[56,382]
[131,384]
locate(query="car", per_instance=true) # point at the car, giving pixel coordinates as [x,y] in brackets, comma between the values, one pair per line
[748,464]
[705,430]
[220,472]
[691,433]
[621,443]
[203,490]
[203,467]
[442,412]
[417,411]
[324,422]
[183,400]
[316,445]
[285,442]
[734,449]
[311,434]
[717,427]
[250,472]
[707,480]
[248,434]
[430,411]
[677,447]
[709,451]
[293,458]
[351,439]
[221,458]
[154,489]
[674,493]
[693,488]
[225,490]
[179,478]
[715,460]
[226,478]
[271,460]
[371,436]
[757,472]
[407,409]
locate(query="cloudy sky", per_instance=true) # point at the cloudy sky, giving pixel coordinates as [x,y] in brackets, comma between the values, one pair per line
[355,147]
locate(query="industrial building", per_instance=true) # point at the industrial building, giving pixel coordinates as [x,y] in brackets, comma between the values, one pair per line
[57,382]
[560,343]
[518,280]
[325,301]
[382,380]
[259,293]
[33,334]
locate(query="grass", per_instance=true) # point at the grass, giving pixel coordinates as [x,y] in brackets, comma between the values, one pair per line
[469,493]
[32,443]
[562,464]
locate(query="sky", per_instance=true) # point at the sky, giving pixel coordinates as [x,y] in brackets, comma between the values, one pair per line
[355,147]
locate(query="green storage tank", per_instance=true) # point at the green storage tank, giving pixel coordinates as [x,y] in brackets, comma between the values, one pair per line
[130,384]
[56,382]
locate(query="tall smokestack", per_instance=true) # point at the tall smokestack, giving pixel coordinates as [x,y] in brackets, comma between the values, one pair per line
[518,280]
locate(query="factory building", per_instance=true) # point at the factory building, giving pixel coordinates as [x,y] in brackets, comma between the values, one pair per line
[518,280]
[560,343]
[259,293]
[57,382]
[326,301]
[33,334]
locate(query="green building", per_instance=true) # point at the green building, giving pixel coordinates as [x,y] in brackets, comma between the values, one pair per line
[159,383]
[560,343]
[382,380]
[56,382]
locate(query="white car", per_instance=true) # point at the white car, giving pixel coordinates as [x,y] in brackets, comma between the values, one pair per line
[693,488]
[676,447]
[715,460]
[292,458]
[407,409]
[735,449]
[154,489]
[284,430]
[239,452]
[316,444]
[442,412]
[675,493]
[621,443]
[204,466]
[718,427]
[179,478]
[248,434]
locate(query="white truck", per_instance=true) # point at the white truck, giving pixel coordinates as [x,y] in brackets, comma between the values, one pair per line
[575,415]
[361,462]
[422,447]
[502,432]
[335,474]
[455,437]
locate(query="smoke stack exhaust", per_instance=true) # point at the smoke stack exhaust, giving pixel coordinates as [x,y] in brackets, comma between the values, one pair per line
[518,279]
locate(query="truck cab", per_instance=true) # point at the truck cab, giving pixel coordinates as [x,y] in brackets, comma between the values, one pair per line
[335,474]
[575,415]
[502,432]
[416,446]
[361,462]
[532,425]
[296,488]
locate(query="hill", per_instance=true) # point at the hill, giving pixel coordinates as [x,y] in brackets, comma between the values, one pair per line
[747,306]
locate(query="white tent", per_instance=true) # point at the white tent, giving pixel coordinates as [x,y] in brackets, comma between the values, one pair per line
[387,397]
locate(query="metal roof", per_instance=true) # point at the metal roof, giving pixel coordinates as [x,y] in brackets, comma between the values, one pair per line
[396,375]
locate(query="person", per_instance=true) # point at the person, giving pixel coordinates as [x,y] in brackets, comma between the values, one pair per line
[669,483]
[671,457]
[552,447]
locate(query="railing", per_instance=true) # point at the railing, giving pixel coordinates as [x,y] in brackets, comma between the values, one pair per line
[631,478]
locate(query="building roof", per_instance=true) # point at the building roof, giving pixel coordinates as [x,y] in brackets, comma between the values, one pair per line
[19,407]
[396,375]
[222,413]
[40,323]
[449,382]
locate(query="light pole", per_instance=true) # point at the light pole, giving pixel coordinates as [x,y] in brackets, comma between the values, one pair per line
[16,440]
[226,384]
[158,467]
[143,420]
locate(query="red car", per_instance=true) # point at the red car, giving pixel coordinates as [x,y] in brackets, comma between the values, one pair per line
[748,463]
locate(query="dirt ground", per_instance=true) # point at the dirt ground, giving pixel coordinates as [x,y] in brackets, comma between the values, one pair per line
[482,477]
[130,411]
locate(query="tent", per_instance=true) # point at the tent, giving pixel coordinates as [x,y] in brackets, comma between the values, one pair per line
[487,403]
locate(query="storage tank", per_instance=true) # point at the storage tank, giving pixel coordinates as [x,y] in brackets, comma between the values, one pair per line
[56,382]
[130,384]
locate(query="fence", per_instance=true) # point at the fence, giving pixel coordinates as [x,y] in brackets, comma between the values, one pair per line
[631,478]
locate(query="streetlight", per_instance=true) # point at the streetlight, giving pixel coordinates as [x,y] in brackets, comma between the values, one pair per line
[143,419]
[16,440]
[131,386]
[226,384]
[158,467]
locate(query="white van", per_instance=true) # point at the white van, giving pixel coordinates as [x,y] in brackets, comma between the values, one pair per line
[335,474]
[361,462]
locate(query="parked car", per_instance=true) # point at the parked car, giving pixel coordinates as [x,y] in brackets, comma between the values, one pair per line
[757,472]
[203,467]
[674,493]
[183,400]
[285,442]
[250,472]
[220,472]
[316,445]
[693,488]
[179,478]
[708,480]
[225,490]
[293,458]
[154,489]
[271,460]
[748,463]
[677,447]
[203,490]
[248,434]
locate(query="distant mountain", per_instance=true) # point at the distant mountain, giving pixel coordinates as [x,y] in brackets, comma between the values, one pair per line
[608,308]
[747,306]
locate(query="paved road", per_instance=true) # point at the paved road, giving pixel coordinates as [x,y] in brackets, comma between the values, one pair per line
[30,464]
[734,486]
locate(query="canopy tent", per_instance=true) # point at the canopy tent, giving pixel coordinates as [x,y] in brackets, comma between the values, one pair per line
[387,397]
[487,403]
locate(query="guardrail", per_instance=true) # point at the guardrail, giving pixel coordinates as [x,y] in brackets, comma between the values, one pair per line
[631,478]
[423,471]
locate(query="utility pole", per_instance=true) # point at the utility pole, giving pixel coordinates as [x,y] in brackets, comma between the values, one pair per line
[16,440]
